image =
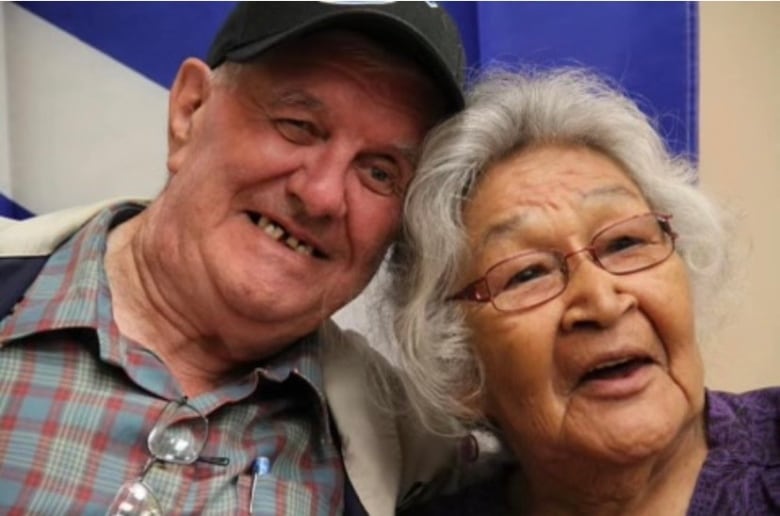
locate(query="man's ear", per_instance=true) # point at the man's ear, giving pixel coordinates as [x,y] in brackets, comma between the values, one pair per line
[190,90]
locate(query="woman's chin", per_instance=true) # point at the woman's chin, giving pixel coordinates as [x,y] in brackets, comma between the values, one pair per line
[628,419]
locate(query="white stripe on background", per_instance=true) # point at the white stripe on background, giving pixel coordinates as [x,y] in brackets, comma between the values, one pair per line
[82,126]
[5,163]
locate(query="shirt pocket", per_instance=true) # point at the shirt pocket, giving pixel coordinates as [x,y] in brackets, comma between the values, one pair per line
[267,495]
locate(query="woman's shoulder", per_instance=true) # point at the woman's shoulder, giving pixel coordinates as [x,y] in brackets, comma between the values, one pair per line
[742,469]
[746,425]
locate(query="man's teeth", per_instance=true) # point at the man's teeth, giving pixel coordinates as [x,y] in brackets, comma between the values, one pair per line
[277,233]
[300,247]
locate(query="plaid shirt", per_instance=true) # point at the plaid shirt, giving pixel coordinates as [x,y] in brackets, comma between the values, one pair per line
[77,402]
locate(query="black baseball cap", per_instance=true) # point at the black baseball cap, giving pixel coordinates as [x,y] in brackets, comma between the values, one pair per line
[420,30]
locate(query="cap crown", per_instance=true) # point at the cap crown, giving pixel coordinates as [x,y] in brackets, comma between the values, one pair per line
[419,30]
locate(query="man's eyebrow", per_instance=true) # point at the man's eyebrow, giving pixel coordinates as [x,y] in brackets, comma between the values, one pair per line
[410,152]
[297,98]
[301,99]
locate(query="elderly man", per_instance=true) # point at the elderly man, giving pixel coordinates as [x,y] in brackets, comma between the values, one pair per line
[177,357]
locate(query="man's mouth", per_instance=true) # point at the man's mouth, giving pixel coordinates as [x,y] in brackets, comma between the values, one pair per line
[615,369]
[280,234]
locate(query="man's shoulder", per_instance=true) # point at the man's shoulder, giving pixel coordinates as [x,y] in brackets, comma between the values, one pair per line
[41,235]
[349,365]
[347,348]
[25,245]
[389,456]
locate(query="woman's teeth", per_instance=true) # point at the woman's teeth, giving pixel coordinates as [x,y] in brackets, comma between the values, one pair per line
[280,235]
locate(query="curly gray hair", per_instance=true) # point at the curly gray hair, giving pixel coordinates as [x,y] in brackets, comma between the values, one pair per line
[507,112]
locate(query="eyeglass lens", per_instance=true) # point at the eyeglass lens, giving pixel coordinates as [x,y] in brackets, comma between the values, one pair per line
[535,277]
[178,437]
[134,499]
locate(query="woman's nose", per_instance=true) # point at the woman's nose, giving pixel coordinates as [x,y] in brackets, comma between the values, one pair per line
[593,296]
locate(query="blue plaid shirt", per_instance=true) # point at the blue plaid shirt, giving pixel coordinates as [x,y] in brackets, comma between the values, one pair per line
[78,399]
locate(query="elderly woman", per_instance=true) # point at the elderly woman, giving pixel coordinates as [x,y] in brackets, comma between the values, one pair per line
[557,273]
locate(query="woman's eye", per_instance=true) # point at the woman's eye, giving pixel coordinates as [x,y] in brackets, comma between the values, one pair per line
[525,275]
[300,132]
[622,243]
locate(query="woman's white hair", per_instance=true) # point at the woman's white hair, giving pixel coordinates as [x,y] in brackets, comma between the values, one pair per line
[508,111]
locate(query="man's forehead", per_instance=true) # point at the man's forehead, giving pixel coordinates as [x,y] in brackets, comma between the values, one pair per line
[359,56]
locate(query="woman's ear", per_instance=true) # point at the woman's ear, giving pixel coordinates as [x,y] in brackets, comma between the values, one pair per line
[189,92]
[473,396]
[476,403]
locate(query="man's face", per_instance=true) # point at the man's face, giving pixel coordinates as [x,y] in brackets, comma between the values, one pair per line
[286,182]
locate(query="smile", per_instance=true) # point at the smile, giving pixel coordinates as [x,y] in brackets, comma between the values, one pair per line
[615,369]
[280,234]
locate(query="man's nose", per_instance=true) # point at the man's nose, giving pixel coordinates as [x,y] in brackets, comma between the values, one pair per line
[319,185]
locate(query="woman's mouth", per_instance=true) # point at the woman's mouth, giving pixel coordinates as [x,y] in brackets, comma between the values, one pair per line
[615,369]
[617,378]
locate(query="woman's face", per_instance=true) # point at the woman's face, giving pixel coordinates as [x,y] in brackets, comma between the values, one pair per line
[608,370]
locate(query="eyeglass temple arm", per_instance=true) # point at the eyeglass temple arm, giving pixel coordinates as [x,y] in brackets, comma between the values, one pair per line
[216,461]
[666,226]
[476,291]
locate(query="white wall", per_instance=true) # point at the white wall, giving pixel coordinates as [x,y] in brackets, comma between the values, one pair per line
[5,163]
[740,163]
[75,110]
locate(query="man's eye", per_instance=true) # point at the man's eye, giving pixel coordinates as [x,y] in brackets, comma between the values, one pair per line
[382,179]
[380,175]
[300,132]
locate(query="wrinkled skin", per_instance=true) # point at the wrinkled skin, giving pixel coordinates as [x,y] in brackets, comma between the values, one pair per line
[581,441]
[307,139]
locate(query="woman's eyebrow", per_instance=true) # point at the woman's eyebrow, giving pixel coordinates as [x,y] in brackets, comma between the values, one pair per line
[513,224]
[497,231]
[610,191]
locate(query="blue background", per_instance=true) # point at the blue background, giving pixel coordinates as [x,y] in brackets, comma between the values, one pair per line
[650,48]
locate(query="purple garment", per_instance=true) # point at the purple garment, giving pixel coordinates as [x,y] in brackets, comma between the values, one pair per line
[742,472]
[741,475]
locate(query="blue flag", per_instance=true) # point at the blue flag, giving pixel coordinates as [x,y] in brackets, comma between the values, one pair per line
[85,84]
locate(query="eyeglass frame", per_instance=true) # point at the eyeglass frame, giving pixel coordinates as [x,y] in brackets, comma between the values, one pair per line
[157,456]
[479,290]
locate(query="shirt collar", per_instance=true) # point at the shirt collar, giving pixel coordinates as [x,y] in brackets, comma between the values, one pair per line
[65,293]
[72,292]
